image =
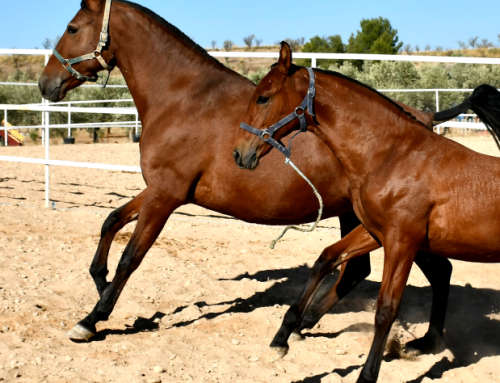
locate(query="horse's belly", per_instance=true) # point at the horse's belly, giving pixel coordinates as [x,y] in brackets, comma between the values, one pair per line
[466,236]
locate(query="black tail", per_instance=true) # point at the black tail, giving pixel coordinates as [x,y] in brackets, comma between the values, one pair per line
[485,102]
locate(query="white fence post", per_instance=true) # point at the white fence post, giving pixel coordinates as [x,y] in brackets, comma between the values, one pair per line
[437,109]
[69,120]
[136,123]
[5,129]
[47,167]
[313,62]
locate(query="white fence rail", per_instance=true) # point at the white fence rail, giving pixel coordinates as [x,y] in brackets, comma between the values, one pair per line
[46,108]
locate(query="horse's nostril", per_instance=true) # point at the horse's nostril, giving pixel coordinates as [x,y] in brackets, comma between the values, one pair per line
[237,157]
[252,163]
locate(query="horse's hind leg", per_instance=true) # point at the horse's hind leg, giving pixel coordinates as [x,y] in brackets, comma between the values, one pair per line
[116,220]
[438,271]
[356,243]
[152,218]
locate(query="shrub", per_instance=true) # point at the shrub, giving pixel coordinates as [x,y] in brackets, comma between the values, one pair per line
[405,75]
[257,75]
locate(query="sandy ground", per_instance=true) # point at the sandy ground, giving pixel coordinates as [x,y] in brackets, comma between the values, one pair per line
[209,296]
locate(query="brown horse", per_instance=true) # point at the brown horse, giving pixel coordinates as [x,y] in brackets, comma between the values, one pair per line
[190,106]
[411,189]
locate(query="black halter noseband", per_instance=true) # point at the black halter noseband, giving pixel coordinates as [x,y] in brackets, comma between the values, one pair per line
[307,104]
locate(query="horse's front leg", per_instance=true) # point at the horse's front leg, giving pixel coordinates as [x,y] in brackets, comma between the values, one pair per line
[116,220]
[152,218]
[399,256]
[356,243]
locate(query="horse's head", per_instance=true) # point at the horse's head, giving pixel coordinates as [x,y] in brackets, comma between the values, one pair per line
[276,96]
[82,36]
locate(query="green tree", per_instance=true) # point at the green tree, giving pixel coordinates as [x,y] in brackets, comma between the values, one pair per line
[330,44]
[376,37]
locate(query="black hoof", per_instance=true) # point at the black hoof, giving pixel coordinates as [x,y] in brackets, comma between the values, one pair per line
[426,345]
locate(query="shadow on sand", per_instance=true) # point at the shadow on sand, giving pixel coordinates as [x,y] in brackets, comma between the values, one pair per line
[140,325]
[471,334]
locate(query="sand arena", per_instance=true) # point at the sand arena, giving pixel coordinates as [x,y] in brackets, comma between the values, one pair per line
[209,296]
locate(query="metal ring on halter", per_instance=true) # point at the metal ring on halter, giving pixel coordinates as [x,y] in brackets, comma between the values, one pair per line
[266,132]
[299,108]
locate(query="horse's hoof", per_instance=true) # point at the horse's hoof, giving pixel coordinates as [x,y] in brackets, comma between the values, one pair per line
[79,334]
[277,353]
[426,345]
[297,336]
[362,379]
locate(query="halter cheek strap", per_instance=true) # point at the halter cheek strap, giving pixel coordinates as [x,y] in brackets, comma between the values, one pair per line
[307,104]
[97,54]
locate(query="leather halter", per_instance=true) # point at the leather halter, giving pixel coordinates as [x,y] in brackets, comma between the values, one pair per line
[97,54]
[307,104]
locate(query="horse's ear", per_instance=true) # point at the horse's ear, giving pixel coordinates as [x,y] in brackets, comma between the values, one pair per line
[285,60]
[93,5]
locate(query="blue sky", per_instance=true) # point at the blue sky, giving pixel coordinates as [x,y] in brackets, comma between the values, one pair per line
[26,23]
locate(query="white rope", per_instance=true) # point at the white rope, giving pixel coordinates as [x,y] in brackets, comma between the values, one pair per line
[320,211]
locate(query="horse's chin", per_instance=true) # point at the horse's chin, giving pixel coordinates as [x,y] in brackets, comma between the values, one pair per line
[54,90]
[56,95]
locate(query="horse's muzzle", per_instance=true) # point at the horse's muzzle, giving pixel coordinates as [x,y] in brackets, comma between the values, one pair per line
[50,89]
[247,160]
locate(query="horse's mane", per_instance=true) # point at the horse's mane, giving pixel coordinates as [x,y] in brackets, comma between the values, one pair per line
[176,31]
[337,74]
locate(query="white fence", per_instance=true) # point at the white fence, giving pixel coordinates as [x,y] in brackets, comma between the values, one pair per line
[46,108]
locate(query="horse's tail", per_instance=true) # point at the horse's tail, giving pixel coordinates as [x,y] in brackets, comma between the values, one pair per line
[485,102]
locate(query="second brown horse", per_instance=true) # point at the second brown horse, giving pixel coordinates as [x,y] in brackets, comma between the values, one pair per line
[411,189]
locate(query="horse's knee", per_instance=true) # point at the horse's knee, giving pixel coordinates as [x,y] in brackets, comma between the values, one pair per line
[327,256]
[357,269]
[129,263]
[98,270]
[110,222]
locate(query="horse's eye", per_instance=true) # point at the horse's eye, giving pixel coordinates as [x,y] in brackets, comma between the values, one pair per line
[72,30]
[262,100]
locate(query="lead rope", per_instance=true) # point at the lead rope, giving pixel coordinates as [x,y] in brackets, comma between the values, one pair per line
[320,211]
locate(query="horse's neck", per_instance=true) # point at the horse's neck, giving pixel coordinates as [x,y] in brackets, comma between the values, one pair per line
[160,67]
[362,128]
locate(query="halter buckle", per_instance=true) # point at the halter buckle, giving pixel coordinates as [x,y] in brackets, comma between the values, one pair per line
[104,38]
